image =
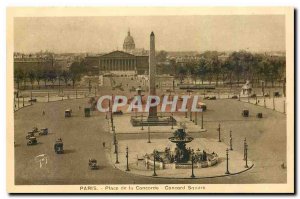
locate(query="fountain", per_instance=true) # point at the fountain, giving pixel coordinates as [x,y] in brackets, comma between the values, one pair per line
[181,156]
[181,153]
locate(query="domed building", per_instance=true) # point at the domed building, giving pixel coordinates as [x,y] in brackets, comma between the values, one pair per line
[128,44]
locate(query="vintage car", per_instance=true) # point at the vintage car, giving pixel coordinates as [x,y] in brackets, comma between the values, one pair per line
[118,112]
[277,94]
[87,112]
[35,130]
[234,97]
[32,141]
[68,113]
[29,134]
[202,105]
[93,164]
[43,131]
[259,115]
[32,100]
[245,113]
[59,146]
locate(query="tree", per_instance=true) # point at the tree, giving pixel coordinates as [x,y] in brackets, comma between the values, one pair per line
[31,76]
[38,76]
[74,77]
[191,67]
[52,75]
[45,77]
[201,69]
[161,56]
[19,76]
[182,71]
[66,76]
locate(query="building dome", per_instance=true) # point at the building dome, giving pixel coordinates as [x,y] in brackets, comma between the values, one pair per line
[128,44]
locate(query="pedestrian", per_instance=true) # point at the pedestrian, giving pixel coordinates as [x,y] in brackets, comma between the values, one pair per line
[103,144]
[43,112]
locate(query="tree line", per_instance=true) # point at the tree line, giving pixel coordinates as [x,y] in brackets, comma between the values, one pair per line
[233,69]
[45,75]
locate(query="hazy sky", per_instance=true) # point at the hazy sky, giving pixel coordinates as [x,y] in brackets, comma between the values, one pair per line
[173,33]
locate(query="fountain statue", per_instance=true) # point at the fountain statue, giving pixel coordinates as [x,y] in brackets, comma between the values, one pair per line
[182,154]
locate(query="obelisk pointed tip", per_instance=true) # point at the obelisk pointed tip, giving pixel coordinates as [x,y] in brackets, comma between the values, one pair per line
[152,33]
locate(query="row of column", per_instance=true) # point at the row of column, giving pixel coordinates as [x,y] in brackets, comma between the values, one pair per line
[117,64]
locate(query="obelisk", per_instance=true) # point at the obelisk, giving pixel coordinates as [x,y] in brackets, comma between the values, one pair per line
[152,73]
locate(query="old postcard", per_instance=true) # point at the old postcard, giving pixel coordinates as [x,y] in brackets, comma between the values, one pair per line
[150,100]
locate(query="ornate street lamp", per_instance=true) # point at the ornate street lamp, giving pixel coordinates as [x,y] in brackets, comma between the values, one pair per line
[230,135]
[154,156]
[193,159]
[149,134]
[245,143]
[117,153]
[227,159]
[246,156]
[127,166]
[219,130]
[172,121]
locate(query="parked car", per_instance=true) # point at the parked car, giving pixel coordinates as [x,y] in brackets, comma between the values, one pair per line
[245,113]
[32,141]
[93,164]
[59,146]
[43,131]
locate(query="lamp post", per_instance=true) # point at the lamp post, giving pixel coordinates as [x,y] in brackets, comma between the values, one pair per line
[186,113]
[76,93]
[149,134]
[23,102]
[230,135]
[31,98]
[48,96]
[191,115]
[273,103]
[202,119]
[227,170]
[219,130]
[117,153]
[246,156]
[127,167]
[245,143]
[154,155]
[114,135]
[193,159]
[196,118]
[255,100]
[172,121]
[142,122]
[284,106]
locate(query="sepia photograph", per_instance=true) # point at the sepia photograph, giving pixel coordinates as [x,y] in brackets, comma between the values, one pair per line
[150,100]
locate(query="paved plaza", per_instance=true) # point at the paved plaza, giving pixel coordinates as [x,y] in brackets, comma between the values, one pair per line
[83,138]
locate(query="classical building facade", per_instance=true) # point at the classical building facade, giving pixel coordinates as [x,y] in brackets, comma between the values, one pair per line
[130,61]
[120,63]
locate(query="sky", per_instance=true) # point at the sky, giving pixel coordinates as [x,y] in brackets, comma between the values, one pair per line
[173,33]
